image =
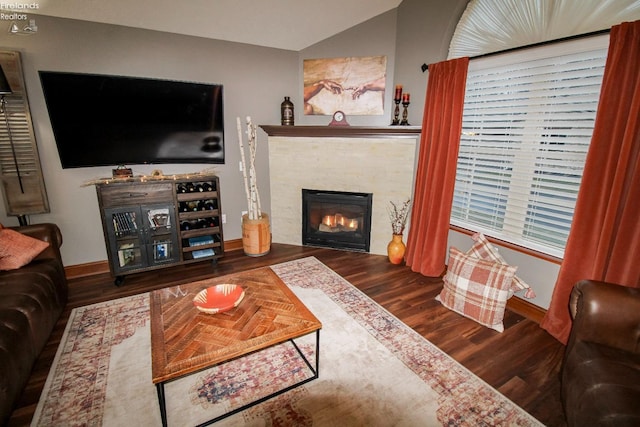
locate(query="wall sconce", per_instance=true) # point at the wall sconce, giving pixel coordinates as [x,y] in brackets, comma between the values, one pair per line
[30,28]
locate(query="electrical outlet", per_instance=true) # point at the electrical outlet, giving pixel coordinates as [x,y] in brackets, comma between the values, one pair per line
[224,218]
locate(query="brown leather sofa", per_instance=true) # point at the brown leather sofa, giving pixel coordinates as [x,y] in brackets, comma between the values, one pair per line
[31,301]
[601,371]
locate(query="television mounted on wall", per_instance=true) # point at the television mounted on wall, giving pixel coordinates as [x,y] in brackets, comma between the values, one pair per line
[104,120]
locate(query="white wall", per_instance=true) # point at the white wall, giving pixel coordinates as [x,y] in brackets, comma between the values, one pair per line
[254,78]
[255,81]
[375,37]
[425,28]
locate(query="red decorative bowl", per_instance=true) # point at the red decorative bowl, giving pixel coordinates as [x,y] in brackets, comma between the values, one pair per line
[219,298]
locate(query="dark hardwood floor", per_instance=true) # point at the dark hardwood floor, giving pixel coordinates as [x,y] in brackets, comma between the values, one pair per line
[523,362]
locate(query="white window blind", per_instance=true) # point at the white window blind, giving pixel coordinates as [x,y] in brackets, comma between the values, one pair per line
[527,125]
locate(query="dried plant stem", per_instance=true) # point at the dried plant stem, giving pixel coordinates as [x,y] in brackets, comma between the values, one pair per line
[253,147]
[250,180]
[398,216]
[244,162]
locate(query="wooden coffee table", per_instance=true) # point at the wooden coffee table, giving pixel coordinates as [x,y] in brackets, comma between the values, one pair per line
[185,341]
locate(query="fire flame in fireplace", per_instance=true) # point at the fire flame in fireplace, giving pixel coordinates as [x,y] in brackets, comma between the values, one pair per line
[338,222]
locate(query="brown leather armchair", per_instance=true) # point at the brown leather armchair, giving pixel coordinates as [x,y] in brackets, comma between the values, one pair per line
[601,371]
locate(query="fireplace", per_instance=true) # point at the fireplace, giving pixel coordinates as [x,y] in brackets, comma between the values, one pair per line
[304,157]
[336,219]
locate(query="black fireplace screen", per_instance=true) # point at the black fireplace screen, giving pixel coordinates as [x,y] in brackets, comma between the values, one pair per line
[336,219]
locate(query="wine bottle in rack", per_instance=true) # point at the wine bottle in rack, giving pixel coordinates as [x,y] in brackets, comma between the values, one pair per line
[190,187]
[184,207]
[206,186]
[210,205]
[182,188]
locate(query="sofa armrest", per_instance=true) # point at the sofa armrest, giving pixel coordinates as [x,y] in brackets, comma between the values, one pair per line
[607,314]
[47,232]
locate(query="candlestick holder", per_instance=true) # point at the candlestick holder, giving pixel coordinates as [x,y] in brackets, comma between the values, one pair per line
[404,121]
[396,113]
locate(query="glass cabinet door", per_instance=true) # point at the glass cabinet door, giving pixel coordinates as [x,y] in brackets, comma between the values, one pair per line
[126,238]
[142,236]
[161,234]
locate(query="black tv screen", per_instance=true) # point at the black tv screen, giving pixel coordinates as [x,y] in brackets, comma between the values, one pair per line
[101,120]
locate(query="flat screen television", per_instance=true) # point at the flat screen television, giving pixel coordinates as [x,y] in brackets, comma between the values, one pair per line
[102,120]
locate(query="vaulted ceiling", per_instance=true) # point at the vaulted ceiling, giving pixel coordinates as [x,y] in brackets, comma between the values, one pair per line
[284,24]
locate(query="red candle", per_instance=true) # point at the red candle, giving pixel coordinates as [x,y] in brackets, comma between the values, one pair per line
[398,93]
[406,97]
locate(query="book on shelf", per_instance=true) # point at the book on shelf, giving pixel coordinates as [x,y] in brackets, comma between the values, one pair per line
[200,240]
[124,222]
[202,253]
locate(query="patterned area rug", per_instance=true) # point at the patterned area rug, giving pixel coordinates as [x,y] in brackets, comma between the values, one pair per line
[374,371]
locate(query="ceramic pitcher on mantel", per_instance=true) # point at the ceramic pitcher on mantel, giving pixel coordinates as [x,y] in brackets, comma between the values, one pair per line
[396,249]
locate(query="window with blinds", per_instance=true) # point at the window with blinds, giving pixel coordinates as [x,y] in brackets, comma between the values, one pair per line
[527,124]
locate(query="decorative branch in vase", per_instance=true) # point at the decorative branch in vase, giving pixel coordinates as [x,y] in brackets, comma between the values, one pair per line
[256,233]
[398,215]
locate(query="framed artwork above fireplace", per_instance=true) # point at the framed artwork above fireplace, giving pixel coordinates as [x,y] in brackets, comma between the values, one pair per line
[353,85]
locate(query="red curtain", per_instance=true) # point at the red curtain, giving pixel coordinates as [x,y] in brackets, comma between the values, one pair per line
[604,242]
[437,161]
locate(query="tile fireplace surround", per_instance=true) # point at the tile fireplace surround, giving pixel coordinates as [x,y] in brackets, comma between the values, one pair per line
[354,159]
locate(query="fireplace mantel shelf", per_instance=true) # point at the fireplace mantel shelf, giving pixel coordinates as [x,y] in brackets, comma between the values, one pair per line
[343,131]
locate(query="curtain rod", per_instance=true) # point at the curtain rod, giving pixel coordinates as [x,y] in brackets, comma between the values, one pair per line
[425,67]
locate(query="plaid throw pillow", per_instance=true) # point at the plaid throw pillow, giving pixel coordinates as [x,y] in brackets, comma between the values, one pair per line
[483,249]
[17,250]
[477,288]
